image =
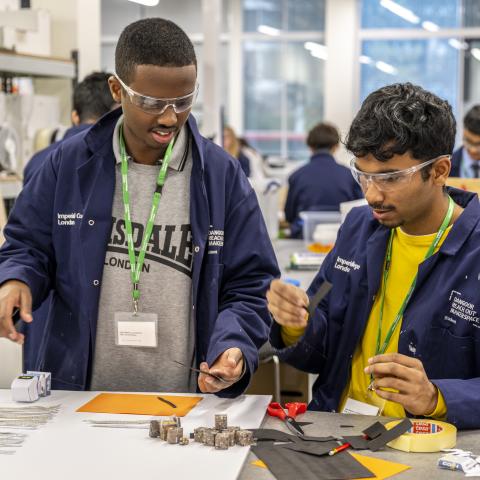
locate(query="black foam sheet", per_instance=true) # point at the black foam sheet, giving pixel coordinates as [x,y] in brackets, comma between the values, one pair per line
[312,448]
[269,434]
[286,464]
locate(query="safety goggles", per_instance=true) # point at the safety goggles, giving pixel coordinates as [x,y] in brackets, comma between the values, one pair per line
[387,182]
[156,106]
[474,147]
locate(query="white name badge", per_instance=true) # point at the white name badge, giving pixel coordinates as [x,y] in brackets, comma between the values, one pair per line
[138,330]
[355,407]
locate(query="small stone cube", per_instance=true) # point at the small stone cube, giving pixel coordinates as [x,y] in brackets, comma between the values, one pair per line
[220,422]
[154,429]
[222,441]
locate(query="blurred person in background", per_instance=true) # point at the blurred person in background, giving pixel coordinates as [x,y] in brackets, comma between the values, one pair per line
[231,144]
[91,100]
[466,160]
[322,184]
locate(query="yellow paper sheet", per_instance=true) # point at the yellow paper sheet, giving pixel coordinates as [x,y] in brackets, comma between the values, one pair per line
[140,404]
[380,468]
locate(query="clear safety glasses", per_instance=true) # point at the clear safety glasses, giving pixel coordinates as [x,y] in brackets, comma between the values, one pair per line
[156,106]
[387,182]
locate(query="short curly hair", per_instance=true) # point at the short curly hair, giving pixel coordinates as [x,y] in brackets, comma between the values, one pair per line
[402,118]
[152,41]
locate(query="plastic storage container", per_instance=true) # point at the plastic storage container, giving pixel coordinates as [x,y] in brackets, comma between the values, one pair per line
[320,230]
[312,219]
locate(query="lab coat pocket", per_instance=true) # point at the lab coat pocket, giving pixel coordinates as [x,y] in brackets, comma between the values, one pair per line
[451,356]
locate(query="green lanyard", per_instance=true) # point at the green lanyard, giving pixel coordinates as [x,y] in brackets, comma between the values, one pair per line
[446,221]
[136,264]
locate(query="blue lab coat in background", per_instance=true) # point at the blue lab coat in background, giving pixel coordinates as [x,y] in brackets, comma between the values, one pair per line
[320,185]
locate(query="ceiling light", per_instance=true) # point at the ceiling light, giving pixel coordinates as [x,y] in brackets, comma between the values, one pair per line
[366,60]
[397,9]
[475,53]
[430,26]
[317,50]
[459,45]
[267,30]
[147,3]
[386,68]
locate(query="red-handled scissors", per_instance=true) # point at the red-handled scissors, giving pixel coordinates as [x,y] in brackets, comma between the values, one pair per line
[294,409]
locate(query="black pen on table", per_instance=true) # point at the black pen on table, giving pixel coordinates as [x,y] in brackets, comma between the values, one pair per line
[168,402]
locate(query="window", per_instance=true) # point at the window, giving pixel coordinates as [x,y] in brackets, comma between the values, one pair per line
[432,63]
[284,57]
[408,40]
[414,14]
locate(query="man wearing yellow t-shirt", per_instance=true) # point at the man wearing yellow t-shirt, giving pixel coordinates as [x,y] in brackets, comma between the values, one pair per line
[398,333]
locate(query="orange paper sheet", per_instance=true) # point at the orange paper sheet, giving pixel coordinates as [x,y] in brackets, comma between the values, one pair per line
[139,404]
[380,468]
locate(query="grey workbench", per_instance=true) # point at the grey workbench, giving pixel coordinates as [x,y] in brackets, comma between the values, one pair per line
[423,465]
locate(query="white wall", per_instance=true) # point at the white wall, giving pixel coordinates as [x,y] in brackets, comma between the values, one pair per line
[10,362]
[88,36]
[341,68]
[75,25]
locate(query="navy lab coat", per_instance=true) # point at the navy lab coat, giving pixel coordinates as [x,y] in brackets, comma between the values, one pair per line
[229,277]
[440,327]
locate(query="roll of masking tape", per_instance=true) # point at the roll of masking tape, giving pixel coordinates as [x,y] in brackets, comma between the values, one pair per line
[424,436]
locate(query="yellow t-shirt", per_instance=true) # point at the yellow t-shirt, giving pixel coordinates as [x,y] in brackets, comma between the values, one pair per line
[408,251]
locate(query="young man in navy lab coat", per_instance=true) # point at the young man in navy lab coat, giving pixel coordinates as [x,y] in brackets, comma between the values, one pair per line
[466,160]
[399,333]
[321,184]
[141,187]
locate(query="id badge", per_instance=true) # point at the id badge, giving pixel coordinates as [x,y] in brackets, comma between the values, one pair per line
[136,330]
[356,407]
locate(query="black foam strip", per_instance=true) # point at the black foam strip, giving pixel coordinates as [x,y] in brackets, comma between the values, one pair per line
[358,442]
[325,287]
[308,438]
[389,435]
[374,430]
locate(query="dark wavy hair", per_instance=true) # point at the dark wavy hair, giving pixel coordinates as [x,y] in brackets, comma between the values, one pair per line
[152,41]
[92,97]
[472,120]
[402,118]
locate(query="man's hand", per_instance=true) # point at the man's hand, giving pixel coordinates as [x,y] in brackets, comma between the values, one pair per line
[287,304]
[14,294]
[229,366]
[416,393]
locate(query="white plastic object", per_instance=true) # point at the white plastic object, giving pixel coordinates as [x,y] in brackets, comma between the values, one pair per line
[25,388]
[326,233]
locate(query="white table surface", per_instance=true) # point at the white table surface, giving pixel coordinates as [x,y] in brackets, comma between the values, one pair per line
[69,448]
